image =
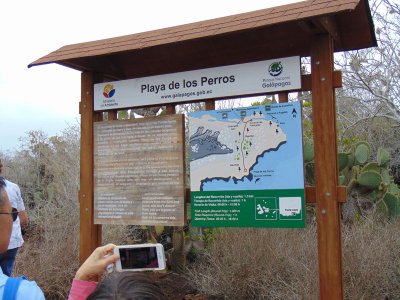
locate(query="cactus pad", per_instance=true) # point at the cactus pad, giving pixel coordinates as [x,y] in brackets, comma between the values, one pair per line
[308,150]
[385,176]
[383,157]
[394,189]
[382,208]
[393,204]
[361,153]
[372,166]
[343,160]
[370,179]
[366,144]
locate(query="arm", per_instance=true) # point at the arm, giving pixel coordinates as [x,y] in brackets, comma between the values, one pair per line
[97,263]
[81,289]
[94,265]
[23,217]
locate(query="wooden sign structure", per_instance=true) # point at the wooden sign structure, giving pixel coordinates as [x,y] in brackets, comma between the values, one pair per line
[313,29]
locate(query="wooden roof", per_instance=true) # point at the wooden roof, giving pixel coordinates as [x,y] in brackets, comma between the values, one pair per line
[263,34]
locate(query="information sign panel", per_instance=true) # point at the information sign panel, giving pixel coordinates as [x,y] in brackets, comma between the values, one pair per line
[246,167]
[139,171]
[261,77]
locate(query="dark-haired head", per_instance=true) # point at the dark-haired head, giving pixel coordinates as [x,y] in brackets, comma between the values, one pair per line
[128,285]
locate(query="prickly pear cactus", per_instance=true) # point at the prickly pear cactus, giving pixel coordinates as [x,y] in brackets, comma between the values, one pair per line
[369,184]
[373,181]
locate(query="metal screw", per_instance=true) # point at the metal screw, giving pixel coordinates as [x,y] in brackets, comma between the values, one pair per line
[328,194]
[317,62]
[87,209]
[323,79]
[87,92]
[84,105]
[84,196]
[323,211]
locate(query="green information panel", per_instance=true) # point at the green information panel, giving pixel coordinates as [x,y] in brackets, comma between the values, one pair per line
[268,208]
[246,167]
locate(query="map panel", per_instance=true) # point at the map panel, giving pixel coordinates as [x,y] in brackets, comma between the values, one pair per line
[256,151]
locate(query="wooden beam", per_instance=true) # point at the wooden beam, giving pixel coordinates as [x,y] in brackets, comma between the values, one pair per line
[170,109]
[328,23]
[112,115]
[311,196]
[98,116]
[210,104]
[322,25]
[283,97]
[306,81]
[326,169]
[90,234]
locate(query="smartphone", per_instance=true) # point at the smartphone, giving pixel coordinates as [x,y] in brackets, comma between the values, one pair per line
[140,257]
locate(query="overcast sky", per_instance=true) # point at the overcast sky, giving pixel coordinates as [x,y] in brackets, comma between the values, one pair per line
[46,97]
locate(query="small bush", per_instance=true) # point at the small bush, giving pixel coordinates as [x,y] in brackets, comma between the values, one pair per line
[260,264]
[283,263]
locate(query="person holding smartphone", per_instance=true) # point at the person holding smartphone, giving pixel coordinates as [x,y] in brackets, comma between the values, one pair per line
[121,285]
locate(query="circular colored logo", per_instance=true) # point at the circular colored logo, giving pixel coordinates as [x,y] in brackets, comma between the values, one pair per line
[275,69]
[108,91]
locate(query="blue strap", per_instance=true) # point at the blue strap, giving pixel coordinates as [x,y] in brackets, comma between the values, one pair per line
[11,288]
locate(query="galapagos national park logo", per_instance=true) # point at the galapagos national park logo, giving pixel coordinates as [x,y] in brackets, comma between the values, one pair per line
[275,69]
[108,91]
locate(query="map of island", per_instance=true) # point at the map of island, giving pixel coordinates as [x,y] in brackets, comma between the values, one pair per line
[246,167]
[229,148]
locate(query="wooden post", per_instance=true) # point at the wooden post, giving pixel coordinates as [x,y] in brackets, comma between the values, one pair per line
[170,109]
[283,97]
[112,115]
[90,234]
[326,169]
[210,104]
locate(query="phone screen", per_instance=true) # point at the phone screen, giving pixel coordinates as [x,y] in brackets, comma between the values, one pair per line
[138,258]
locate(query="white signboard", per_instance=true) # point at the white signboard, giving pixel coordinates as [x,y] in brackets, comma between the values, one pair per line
[260,77]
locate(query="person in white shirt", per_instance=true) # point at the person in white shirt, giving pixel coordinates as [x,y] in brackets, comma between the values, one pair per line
[25,289]
[14,195]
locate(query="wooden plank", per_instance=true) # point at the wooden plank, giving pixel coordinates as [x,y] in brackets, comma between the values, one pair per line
[326,169]
[90,234]
[306,81]
[98,116]
[330,25]
[311,196]
[170,109]
[112,115]
[210,105]
[283,97]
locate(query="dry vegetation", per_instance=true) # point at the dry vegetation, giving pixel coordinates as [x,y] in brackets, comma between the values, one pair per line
[283,263]
[240,263]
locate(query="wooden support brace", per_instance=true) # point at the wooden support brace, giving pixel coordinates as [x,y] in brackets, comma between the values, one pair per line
[311,195]
[283,97]
[170,109]
[210,105]
[328,23]
[306,81]
[112,115]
